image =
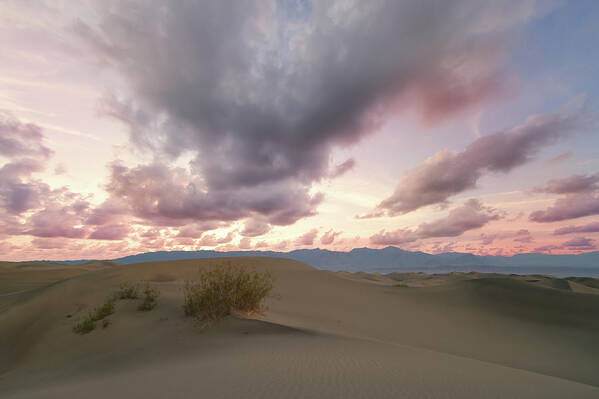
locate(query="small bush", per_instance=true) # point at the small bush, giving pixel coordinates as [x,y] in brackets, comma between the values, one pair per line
[89,323]
[401,285]
[106,310]
[85,326]
[221,290]
[128,291]
[150,297]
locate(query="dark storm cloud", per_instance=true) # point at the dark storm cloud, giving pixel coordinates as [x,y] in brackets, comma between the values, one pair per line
[259,102]
[448,173]
[469,216]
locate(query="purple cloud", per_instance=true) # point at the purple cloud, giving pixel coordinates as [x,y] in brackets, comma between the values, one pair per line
[263,138]
[560,158]
[21,139]
[172,197]
[571,184]
[587,228]
[448,173]
[255,228]
[110,232]
[469,216]
[307,238]
[397,237]
[571,206]
[328,237]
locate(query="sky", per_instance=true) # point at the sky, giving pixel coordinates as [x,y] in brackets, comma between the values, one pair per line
[434,126]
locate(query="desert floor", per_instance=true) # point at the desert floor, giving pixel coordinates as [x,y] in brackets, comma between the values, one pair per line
[327,335]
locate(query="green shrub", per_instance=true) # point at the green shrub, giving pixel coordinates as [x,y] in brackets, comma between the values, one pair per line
[221,290]
[85,326]
[89,323]
[105,310]
[401,285]
[150,297]
[128,291]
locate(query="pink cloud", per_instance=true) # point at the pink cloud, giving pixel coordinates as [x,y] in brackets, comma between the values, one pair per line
[307,238]
[448,173]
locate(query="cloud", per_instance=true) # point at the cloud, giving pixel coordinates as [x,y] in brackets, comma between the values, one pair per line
[571,206]
[173,196]
[571,184]
[397,237]
[281,245]
[307,238]
[259,100]
[469,216]
[328,237]
[587,228]
[560,158]
[245,243]
[343,168]
[579,243]
[195,230]
[448,173]
[521,235]
[255,228]
[110,232]
[19,139]
[210,240]
[261,244]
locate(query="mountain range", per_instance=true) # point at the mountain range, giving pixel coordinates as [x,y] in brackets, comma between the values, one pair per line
[394,259]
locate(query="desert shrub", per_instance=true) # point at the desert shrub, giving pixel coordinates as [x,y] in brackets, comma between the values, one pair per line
[150,297]
[128,291]
[105,310]
[219,291]
[401,285]
[86,325]
[89,323]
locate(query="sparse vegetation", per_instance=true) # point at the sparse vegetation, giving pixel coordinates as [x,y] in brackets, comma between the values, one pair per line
[86,325]
[105,310]
[221,290]
[401,285]
[89,323]
[150,297]
[128,291]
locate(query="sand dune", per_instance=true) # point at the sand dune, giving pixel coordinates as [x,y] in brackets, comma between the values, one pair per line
[329,335]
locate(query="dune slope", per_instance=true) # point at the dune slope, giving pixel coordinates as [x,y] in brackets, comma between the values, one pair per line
[327,336]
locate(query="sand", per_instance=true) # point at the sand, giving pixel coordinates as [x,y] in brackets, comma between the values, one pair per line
[330,335]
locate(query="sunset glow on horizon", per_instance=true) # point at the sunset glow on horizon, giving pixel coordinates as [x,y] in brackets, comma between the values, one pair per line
[137,126]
